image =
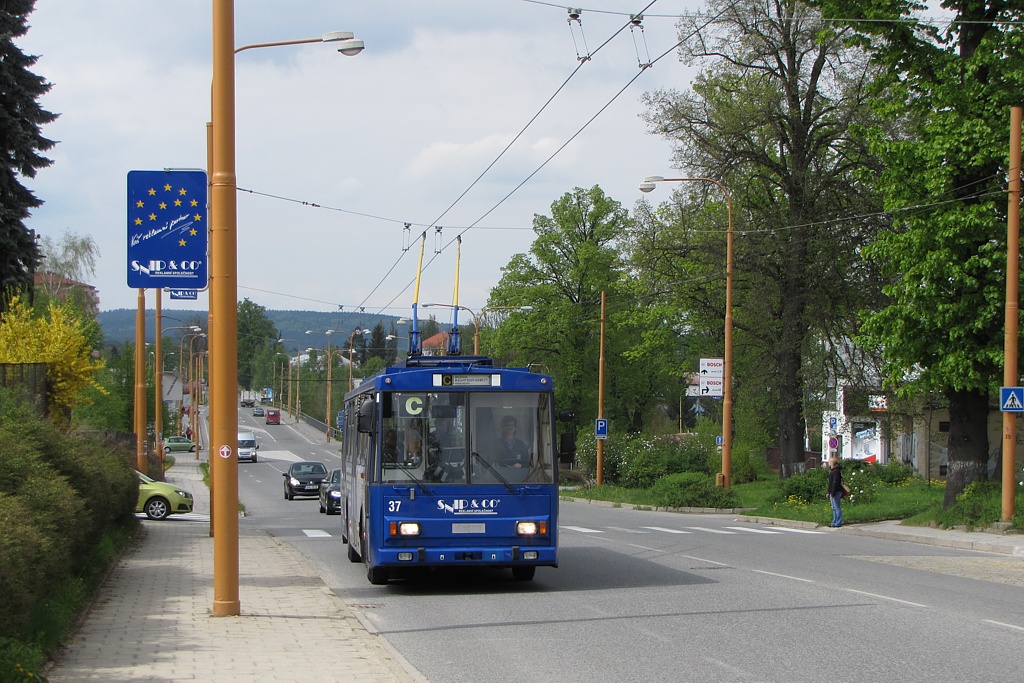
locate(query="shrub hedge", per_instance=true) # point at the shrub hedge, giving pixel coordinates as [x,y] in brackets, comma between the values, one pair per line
[59,494]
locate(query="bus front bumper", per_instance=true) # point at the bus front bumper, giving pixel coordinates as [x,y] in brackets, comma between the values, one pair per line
[507,556]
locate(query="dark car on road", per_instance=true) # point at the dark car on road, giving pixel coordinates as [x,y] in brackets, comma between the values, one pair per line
[330,493]
[303,479]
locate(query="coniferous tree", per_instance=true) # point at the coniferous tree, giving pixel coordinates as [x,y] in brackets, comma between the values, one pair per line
[21,142]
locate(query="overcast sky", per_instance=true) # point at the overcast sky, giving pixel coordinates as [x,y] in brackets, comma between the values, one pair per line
[393,135]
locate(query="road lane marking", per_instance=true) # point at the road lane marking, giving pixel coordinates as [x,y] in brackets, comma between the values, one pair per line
[885,597]
[582,529]
[712,531]
[752,531]
[701,559]
[782,576]
[642,547]
[798,531]
[316,533]
[628,531]
[999,623]
[667,531]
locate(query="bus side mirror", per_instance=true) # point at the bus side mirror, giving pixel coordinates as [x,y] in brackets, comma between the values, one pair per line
[366,421]
[567,415]
[566,448]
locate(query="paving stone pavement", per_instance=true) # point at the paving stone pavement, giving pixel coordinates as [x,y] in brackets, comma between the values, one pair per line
[152,618]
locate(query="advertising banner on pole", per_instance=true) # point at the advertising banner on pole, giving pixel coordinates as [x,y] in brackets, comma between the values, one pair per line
[167,230]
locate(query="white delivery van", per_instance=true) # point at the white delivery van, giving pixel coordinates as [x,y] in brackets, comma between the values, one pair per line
[247,446]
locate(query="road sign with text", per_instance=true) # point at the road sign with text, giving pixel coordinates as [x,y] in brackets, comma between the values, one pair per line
[712,377]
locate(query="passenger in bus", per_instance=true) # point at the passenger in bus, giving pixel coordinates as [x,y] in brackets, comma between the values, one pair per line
[389,448]
[513,452]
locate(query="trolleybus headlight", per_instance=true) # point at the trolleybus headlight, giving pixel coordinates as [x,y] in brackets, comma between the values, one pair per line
[526,528]
[405,557]
[530,554]
[404,528]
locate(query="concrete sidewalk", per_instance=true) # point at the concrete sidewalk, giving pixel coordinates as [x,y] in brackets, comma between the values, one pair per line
[152,618]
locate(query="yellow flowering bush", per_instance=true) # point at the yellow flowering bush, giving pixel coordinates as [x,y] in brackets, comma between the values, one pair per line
[58,340]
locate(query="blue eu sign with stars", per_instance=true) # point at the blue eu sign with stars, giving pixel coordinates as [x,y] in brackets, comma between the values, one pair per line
[167,230]
[1011,399]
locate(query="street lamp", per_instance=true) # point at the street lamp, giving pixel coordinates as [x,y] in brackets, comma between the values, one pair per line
[194,328]
[477,318]
[330,362]
[224,298]
[350,345]
[648,185]
[298,358]
[158,374]
[393,337]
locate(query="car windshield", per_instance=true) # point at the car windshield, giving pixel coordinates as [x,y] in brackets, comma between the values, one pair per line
[246,443]
[309,468]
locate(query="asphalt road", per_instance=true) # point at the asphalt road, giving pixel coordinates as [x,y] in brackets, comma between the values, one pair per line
[643,595]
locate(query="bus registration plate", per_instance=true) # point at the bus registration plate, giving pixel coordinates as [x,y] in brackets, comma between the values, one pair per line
[474,528]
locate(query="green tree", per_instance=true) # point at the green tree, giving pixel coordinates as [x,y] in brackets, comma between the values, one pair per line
[772,116]
[110,407]
[574,258]
[949,90]
[21,119]
[255,331]
[378,346]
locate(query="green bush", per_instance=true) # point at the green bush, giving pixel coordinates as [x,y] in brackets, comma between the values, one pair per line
[749,464]
[19,662]
[979,504]
[635,461]
[895,473]
[691,489]
[59,494]
[23,552]
[808,487]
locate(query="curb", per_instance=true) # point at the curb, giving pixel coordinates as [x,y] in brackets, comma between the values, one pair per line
[655,508]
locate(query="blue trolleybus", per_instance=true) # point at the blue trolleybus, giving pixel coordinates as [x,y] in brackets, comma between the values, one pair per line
[448,461]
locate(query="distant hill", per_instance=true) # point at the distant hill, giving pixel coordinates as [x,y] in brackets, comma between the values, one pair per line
[118,325]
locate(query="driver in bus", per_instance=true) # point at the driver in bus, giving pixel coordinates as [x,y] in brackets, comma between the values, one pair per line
[513,451]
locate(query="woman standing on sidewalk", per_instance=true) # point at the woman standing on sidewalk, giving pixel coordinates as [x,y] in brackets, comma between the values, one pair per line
[835,491]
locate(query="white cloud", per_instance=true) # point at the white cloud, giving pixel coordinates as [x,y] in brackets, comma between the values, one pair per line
[397,132]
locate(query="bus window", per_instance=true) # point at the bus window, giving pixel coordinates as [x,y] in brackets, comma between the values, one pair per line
[510,438]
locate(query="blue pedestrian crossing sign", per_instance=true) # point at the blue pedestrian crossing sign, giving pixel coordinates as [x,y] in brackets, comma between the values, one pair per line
[1011,399]
[601,428]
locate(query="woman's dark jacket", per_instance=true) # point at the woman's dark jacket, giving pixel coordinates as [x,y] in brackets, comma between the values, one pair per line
[835,480]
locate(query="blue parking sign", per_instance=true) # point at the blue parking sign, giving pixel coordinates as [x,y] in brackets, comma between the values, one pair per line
[168,230]
[601,428]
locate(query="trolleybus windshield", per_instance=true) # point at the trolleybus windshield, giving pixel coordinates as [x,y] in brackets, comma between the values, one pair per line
[460,437]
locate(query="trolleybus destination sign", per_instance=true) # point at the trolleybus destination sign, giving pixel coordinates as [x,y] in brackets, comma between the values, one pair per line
[167,230]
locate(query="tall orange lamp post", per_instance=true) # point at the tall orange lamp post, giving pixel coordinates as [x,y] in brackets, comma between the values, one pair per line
[648,185]
[224,301]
